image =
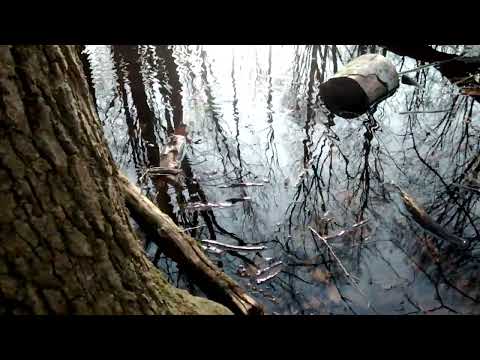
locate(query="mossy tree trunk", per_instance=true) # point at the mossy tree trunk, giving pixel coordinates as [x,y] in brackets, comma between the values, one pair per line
[66,245]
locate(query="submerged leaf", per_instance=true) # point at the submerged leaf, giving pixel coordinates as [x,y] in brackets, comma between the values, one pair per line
[333,294]
[321,276]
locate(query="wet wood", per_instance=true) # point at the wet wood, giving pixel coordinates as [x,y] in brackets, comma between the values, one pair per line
[419,214]
[186,251]
[234,247]
[171,157]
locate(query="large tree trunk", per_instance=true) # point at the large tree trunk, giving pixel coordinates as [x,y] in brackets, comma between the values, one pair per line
[66,245]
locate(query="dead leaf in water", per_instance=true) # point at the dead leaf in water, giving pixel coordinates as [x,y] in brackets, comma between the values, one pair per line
[313,303]
[333,294]
[321,276]
[463,284]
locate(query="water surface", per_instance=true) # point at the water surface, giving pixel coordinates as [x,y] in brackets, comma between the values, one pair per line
[254,117]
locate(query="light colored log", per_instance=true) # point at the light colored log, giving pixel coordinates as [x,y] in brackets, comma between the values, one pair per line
[359,85]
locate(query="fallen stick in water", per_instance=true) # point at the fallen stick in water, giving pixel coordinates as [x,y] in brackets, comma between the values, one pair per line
[347,274]
[223,246]
[423,112]
[193,228]
[185,250]
[245,184]
[346,231]
[199,206]
[421,217]
[269,272]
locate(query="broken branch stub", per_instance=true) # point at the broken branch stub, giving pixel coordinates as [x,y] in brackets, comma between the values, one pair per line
[186,251]
[170,159]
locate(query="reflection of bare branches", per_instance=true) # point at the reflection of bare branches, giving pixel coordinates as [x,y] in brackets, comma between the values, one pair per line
[236,118]
[145,116]
[223,146]
[449,189]
[341,165]
[271,145]
[435,282]
[347,274]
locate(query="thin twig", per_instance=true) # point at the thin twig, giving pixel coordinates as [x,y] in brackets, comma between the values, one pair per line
[193,228]
[429,65]
[423,112]
[346,231]
[347,274]
[233,247]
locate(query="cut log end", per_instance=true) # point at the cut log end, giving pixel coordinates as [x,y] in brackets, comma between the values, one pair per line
[344,97]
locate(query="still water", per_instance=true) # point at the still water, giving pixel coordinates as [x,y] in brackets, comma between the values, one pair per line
[269,164]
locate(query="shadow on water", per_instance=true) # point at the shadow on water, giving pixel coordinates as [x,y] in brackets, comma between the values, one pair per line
[260,140]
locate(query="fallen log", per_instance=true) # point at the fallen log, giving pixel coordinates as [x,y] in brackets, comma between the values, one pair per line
[185,250]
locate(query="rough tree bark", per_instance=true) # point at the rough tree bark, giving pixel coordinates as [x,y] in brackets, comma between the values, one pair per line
[66,245]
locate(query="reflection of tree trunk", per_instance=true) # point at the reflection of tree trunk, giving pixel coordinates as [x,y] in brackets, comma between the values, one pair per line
[236,118]
[66,245]
[146,117]
[166,54]
[215,116]
[451,70]
[146,120]
[334,58]
[132,134]
[421,53]
[273,159]
[269,93]
[321,77]
[314,70]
